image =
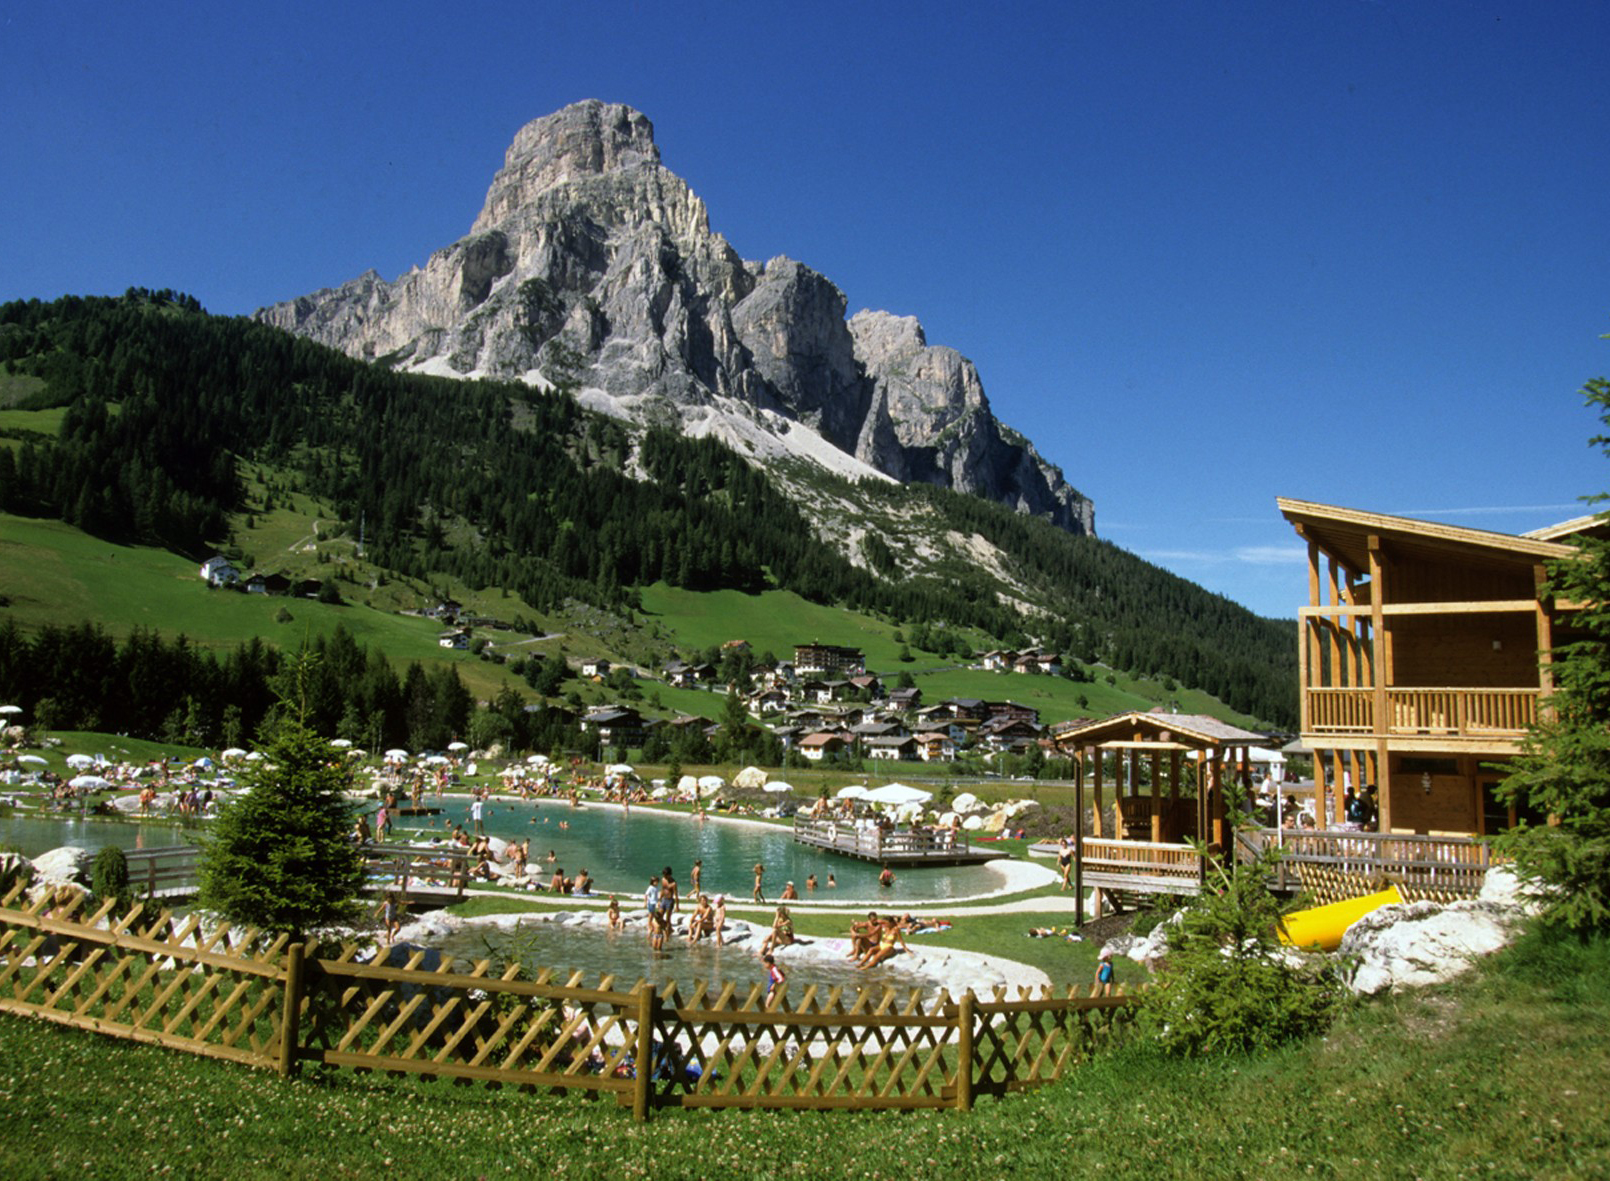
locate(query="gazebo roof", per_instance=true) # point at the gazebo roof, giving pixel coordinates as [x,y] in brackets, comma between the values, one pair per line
[1159,730]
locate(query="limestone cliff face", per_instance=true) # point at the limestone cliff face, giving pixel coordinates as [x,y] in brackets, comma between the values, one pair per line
[593,265]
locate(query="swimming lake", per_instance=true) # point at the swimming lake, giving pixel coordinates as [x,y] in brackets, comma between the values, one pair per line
[621,851]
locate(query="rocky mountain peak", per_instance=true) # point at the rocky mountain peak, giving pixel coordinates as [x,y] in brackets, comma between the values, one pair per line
[593,266]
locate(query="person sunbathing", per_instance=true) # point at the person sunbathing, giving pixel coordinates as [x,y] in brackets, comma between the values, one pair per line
[701,922]
[888,937]
[864,936]
[782,932]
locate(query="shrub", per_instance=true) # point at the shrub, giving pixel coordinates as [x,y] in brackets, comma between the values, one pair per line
[109,877]
[1227,987]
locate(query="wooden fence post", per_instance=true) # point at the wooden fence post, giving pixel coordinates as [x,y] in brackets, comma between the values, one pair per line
[648,1003]
[291,1013]
[964,1052]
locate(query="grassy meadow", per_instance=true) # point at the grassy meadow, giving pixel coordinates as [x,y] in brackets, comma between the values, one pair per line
[1499,1075]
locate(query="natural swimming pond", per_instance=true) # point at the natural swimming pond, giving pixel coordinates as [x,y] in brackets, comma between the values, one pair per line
[621,851]
[33,833]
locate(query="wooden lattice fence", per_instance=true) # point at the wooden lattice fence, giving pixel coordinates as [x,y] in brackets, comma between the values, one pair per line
[273,1004]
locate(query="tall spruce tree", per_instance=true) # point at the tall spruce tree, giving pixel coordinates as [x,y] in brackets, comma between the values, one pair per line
[1564,771]
[280,856]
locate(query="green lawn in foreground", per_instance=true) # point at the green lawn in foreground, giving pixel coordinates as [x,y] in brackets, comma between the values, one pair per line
[1500,1076]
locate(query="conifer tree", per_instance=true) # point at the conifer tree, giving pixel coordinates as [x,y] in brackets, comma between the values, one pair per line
[280,857]
[1564,771]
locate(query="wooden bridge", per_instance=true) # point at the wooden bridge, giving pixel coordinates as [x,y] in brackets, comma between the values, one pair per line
[425,876]
[936,847]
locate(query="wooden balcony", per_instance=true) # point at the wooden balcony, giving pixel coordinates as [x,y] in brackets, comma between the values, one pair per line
[1455,713]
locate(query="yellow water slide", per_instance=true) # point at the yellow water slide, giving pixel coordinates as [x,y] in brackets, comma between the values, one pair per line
[1322,927]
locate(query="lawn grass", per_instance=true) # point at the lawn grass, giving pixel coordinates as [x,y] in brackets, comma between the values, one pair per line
[1500,1075]
[52,573]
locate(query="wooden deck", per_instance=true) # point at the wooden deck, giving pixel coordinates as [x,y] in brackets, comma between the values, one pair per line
[895,848]
[1425,866]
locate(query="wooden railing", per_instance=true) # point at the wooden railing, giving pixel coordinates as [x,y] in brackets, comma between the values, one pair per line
[1141,865]
[273,1004]
[173,870]
[1441,865]
[843,837]
[1464,713]
[168,869]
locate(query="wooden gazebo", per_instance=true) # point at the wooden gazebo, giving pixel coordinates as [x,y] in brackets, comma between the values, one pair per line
[1157,804]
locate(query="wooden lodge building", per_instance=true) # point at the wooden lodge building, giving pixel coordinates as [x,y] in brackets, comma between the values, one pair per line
[1423,661]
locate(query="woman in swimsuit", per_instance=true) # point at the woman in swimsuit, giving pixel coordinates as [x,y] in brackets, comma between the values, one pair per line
[782,931]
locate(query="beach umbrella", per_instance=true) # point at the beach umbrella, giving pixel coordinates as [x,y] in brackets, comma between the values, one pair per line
[10,709]
[537,760]
[90,781]
[619,769]
[204,763]
[897,794]
[396,755]
[777,787]
[341,743]
[80,761]
[458,746]
[855,791]
[437,760]
[234,752]
[32,760]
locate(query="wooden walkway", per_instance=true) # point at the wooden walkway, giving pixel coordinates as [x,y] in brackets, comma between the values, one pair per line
[937,848]
[426,876]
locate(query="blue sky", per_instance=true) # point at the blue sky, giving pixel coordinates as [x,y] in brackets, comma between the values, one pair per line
[1203,254]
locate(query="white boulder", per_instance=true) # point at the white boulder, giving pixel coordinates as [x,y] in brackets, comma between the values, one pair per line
[66,866]
[1422,943]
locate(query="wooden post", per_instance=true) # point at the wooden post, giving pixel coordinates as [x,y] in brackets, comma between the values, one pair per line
[1157,799]
[1079,841]
[291,1010]
[964,1052]
[648,1003]
[1096,788]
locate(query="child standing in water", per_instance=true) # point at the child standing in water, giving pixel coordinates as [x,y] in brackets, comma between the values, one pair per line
[775,979]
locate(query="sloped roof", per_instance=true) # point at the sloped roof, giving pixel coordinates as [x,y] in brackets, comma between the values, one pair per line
[1193,730]
[1344,533]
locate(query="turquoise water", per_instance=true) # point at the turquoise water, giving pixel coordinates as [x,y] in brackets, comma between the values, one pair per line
[537,945]
[32,833]
[622,851]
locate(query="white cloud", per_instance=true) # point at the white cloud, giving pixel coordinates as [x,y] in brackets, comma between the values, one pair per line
[1271,555]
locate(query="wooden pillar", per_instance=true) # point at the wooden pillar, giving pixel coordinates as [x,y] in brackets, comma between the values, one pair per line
[1545,637]
[1157,800]
[1096,792]
[1079,840]
[1381,659]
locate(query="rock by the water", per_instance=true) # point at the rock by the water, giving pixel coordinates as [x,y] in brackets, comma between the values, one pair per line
[66,866]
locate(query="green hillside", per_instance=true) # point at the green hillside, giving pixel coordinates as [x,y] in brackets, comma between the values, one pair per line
[144,422]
